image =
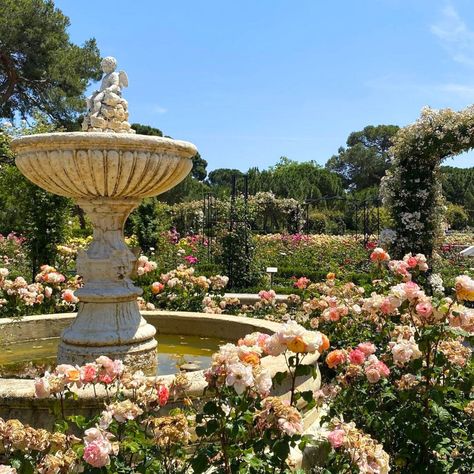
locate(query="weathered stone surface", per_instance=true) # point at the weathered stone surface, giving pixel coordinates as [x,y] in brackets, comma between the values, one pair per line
[75,165]
[106,109]
[108,175]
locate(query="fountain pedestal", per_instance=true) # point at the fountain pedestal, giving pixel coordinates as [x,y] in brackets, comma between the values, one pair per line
[109,321]
[107,174]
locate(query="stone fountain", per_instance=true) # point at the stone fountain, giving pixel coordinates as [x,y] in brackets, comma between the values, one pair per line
[107,170]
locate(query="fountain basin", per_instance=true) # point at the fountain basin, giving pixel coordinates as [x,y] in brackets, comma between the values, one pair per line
[88,164]
[17,399]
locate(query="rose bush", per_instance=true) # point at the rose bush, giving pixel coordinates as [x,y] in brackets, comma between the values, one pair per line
[240,427]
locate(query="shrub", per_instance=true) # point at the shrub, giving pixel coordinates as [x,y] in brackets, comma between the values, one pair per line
[456,217]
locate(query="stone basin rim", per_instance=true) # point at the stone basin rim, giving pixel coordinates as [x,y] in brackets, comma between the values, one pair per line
[84,140]
[24,388]
[17,398]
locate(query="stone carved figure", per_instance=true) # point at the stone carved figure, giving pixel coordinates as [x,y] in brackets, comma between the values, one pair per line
[107,111]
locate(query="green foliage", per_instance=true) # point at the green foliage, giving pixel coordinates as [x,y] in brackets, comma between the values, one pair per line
[199,167]
[291,179]
[238,249]
[146,130]
[29,210]
[187,190]
[457,217]
[148,221]
[46,219]
[363,163]
[39,66]
[458,188]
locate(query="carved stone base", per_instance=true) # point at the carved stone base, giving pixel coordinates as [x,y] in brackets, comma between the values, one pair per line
[115,329]
[140,356]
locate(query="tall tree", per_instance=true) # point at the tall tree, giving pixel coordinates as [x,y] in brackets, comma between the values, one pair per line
[458,187]
[29,210]
[223,176]
[40,68]
[303,180]
[363,162]
[198,171]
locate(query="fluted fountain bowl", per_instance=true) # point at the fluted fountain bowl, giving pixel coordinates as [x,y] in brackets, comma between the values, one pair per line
[115,165]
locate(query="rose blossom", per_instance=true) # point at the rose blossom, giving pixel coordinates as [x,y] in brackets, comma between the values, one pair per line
[375,369]
[88,373]
[336,357]
[7,469]
[464,286]
[96,454]
[163,395]
[357,357]
[240,377]
[69,297]
[42,389]
[424,309]
[379,255]
[157,287]
[367,348]
[336,438]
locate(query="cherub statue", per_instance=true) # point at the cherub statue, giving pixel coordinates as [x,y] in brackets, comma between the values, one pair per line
[106,109]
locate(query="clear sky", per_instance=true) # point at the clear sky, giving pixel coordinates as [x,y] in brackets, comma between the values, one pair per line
[249,81]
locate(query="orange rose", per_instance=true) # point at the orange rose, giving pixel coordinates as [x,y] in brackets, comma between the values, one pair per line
[297,345]
[73,375]
[325,345]
[250,358]
[330,276]
[335,358]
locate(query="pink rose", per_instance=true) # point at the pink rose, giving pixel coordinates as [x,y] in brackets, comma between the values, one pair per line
[117,368]
[88,373]
[411,289]
[336,438]
[357,357]
[262,340]
[191,259]
[42,389]
[302,283]
[106,379]
[48,291]
[105,362]
[372,374]
[96,454]
[68,297]
[334,314]
[412,262]
[367,348]
[163,395]
[386,306]
[383,369]
[424,309]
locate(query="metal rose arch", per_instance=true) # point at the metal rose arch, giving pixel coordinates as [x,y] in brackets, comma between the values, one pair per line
[412,187]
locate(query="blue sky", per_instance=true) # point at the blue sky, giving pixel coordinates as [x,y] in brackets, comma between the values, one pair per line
[250,81]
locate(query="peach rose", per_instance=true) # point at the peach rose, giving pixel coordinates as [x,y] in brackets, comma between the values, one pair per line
[336,357]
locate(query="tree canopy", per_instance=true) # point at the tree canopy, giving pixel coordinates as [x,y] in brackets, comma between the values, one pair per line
[363,163]
[40,68]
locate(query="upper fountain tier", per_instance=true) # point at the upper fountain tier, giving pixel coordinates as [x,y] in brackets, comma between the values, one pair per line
[98,164]
[107,159]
